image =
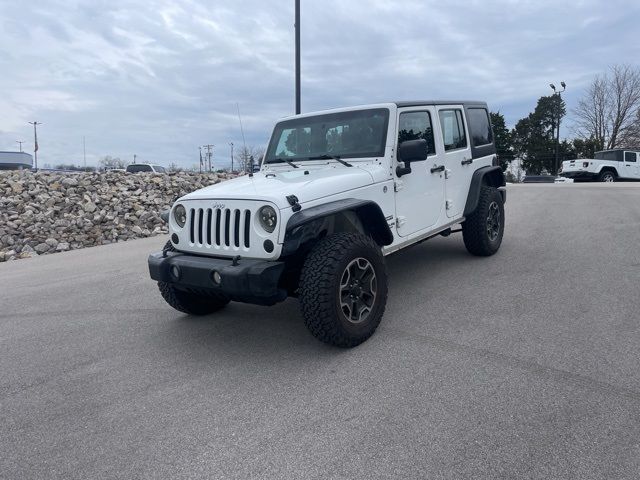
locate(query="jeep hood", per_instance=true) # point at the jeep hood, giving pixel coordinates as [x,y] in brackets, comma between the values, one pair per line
[275,185]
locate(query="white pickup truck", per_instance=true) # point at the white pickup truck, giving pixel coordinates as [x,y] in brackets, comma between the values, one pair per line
[607,166]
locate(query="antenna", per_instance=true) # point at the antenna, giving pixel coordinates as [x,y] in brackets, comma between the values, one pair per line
[241,129]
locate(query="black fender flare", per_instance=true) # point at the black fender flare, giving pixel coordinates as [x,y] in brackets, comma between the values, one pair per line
[303,224]
[491,176]
[609,168]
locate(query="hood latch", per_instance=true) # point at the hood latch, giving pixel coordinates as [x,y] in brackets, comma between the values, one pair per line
[293,201]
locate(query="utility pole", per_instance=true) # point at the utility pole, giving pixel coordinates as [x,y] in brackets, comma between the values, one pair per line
[35,142]
[134,158]
[557,121]
[231,143]
[20,142]
[209,154]
[297,26]
[84,152]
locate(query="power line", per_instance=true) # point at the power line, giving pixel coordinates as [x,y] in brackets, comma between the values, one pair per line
[209,154]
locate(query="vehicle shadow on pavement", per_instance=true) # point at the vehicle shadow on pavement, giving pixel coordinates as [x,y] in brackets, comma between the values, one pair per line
[240,329]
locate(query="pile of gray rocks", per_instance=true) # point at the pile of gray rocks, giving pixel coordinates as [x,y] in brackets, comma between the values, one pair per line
[47,212]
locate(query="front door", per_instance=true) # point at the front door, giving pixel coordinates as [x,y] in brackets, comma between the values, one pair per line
[419,194]
[457,158]
[629,167]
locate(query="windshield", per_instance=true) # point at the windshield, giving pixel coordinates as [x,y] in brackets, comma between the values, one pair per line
[359,133]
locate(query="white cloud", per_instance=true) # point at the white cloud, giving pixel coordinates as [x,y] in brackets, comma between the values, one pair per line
[160,78]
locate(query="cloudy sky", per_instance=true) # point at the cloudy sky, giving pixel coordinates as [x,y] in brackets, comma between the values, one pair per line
[158,78]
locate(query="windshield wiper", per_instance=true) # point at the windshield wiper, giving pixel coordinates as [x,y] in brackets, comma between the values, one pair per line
[331,157]
[283,160]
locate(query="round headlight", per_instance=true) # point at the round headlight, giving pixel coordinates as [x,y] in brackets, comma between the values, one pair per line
[180,215]
[268,218]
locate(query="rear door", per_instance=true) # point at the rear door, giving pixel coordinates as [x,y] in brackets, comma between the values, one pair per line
[419,194]
[457,158]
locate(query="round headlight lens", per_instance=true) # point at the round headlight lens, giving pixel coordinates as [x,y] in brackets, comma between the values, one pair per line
[180,215]
[268,218]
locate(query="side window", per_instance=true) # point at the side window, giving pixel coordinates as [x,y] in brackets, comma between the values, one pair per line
[453,133]
[629,156]
[414,126]
[479,126]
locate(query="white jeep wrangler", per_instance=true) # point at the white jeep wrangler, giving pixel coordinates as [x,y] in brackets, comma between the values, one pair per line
[607,166]
[337,191]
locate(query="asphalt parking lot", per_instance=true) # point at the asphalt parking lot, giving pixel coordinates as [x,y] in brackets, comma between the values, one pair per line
[522,365]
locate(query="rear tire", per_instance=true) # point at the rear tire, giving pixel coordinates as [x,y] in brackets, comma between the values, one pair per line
[189,302]
[343,289]
[482,231]
[607,176]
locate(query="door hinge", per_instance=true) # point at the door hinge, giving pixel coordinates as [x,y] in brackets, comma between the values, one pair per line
[447,173]
[449,204]
[400,221]
[397,186]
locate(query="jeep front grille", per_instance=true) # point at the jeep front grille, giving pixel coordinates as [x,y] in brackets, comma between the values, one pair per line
[220,227]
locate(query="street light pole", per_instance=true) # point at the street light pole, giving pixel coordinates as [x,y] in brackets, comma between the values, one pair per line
[20,142]
[231,143]
[557,121]
[35,142]
[297,57]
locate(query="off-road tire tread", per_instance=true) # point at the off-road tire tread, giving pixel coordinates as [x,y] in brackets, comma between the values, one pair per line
[474,228]
[186,302]
[318,308]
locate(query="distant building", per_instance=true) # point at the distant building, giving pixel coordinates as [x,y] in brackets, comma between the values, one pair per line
[15,161]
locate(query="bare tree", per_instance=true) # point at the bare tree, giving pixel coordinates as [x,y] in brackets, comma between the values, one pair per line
[631,135]
[110,162]
[245,155]
[608,113]
[173,167]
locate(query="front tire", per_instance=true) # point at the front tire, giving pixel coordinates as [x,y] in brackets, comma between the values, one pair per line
[189,302]
[482,231]
[343,289]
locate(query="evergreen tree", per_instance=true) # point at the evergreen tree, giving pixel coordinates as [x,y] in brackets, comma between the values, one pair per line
[534,136]
[502,138]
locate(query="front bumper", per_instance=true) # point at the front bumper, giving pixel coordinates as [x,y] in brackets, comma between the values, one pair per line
[245,280]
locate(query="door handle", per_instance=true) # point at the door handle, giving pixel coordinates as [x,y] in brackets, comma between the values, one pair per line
[439,168]
[467,161]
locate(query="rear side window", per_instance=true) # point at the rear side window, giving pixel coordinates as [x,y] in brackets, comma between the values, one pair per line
[479,126]
[414,126]
[613,156]
[453,134]
[139,168]
[629,156]
[159,169]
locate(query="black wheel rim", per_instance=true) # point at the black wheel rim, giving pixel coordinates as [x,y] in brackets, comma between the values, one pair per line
[493,222]
[357,291]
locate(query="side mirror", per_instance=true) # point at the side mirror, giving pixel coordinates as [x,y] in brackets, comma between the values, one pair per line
[411,151]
